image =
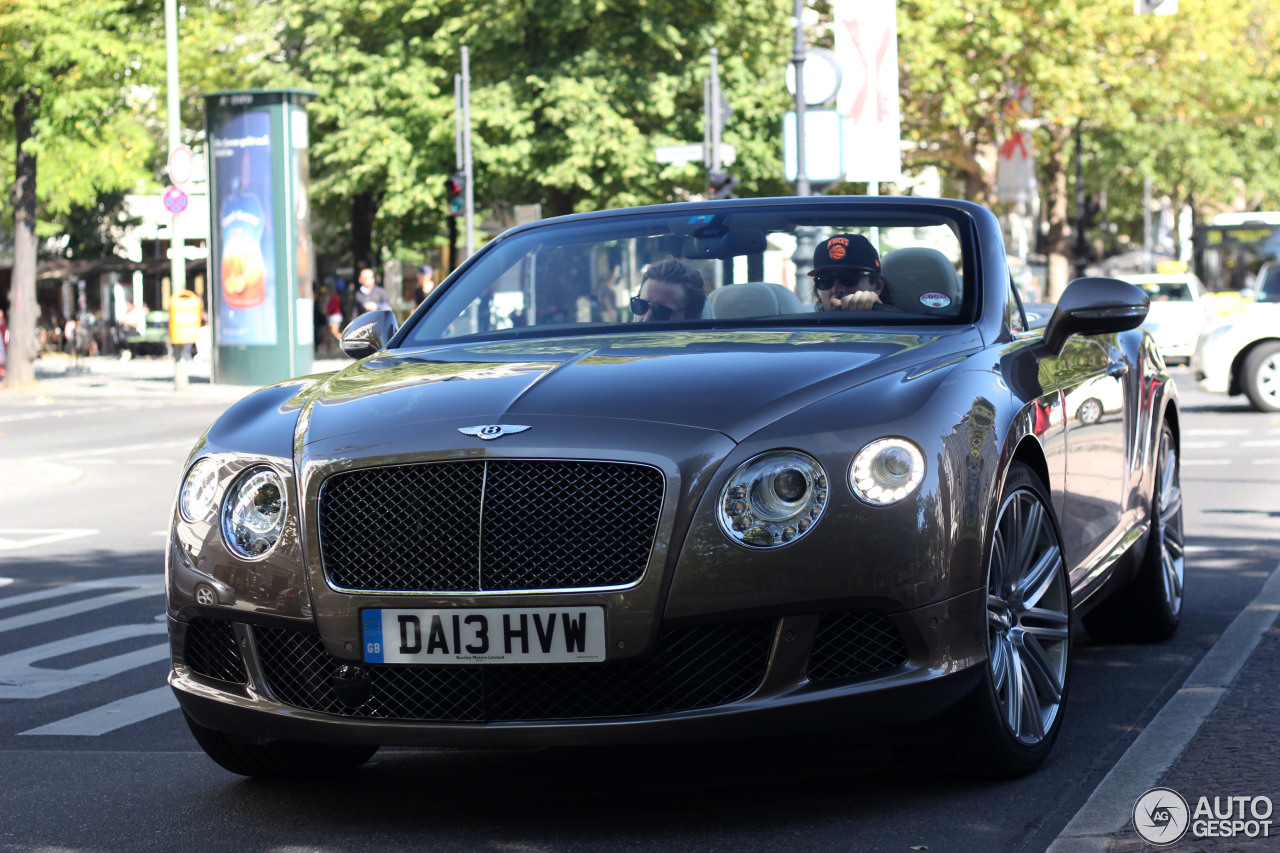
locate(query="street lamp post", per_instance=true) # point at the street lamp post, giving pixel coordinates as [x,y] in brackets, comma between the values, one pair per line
[177,248]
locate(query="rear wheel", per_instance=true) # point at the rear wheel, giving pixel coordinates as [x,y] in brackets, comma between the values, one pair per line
[1010,722]
[1261,377]
[1150,609]
[278,759]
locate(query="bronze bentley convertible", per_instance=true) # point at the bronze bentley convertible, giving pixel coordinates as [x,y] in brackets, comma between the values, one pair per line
[700,470]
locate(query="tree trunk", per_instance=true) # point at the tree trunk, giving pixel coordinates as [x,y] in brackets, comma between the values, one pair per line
[24,312]
[1055,204]
[363,210]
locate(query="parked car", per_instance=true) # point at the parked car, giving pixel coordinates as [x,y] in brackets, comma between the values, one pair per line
[153,338]
[1178,311]
[617,480]
[1268,283]
[1240,354]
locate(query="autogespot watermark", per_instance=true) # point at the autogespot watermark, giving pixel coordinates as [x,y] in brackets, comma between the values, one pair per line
[1162,816]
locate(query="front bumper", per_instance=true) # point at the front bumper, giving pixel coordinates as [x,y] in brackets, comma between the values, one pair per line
[748,677]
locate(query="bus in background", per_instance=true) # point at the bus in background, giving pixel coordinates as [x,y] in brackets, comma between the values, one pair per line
[1233,248]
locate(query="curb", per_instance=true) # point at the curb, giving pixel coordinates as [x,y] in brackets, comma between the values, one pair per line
[1109,809]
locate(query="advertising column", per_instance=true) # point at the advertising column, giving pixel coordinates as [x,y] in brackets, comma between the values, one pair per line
[261,264]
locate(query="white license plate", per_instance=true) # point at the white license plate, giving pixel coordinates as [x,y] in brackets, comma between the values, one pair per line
[484,635]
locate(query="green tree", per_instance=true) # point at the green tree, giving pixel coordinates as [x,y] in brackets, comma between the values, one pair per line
[569,101]
[74,77]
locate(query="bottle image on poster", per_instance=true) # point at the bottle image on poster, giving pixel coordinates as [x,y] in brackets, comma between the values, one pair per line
[246,262]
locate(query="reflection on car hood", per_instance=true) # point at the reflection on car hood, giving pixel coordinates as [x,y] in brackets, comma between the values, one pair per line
[731,382]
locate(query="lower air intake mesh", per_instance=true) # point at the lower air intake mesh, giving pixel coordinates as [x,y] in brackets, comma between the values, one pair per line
[855,644]
[697,667]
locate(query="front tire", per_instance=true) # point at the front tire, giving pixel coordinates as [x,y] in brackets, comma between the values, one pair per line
[1261,377]
[278,759]
[1009,724]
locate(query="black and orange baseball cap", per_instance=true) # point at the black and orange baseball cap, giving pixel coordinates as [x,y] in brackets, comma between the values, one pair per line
[845,252]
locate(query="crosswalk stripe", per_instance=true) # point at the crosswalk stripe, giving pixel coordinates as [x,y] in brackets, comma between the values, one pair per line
[113,715]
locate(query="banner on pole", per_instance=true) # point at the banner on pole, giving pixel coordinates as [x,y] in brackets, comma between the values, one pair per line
[1016,168]
[866,44]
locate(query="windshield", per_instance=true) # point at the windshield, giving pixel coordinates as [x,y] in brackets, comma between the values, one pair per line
[703,266]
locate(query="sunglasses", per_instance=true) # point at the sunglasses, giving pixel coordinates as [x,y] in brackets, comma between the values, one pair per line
[828,280]
[640,307]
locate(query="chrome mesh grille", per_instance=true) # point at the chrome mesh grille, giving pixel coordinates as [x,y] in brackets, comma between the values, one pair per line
[696,667]
[210,650]
[854,644]
[504,524]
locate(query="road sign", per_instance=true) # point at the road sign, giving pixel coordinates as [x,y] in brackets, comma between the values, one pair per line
[175,200]
[181,161]
[692,153]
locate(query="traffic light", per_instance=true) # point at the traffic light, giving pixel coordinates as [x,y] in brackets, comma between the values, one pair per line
[720,185]
[455,191]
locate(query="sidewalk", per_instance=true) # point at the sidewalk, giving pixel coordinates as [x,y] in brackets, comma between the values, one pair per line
[60,375]
[1217,738]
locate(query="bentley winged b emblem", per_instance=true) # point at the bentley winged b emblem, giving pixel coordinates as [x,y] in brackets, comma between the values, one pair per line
[489,432]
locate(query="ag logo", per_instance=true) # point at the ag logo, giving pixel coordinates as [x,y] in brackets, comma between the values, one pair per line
[489,432]
[1161,816]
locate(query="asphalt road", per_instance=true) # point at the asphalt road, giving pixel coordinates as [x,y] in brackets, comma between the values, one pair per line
[96,758]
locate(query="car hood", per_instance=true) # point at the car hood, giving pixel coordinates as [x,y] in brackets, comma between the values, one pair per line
[729,382]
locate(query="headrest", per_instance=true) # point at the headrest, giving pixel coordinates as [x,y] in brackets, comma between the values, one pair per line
[922,279]
[753,299]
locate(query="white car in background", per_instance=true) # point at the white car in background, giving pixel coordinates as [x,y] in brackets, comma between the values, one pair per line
[1178,311]
[1239,353]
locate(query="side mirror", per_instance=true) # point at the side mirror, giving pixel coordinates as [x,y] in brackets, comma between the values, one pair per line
[368,333]
[1095,306]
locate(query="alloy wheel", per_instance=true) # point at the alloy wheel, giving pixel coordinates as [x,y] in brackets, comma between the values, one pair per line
[1267,380]
[1168,515]
[1028,606]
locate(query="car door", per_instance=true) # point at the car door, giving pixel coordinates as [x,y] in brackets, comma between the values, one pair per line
[1093,377]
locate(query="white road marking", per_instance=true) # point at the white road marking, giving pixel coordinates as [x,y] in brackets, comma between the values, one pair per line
[20,678]
[5,581]
[49,535]
[76,411]
[109,451]
[112,716]
[1208,431]
[1194,549]
[1270,460]
[1270,442]
[1201,445]
[136,586]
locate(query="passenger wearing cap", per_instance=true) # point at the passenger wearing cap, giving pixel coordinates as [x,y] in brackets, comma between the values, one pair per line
[846,275]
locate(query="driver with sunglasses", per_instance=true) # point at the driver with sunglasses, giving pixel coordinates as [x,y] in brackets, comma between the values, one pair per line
[669,290]
[846,275]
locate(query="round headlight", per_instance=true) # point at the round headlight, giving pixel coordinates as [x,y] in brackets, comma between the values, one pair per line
[253,513]
[199,491]
[773,500]
[886,471]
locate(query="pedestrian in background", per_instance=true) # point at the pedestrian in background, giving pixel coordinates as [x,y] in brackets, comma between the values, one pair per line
[426,282]
[370,296]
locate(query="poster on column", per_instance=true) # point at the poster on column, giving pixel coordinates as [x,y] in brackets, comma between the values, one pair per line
[244,261]
[866,44]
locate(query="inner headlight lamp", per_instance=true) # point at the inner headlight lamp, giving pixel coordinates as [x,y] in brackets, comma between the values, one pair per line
[886,471]
[253,512]
[199,491]
[773,500]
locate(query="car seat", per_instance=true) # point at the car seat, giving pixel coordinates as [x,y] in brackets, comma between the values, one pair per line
[752,299]
[917,272]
